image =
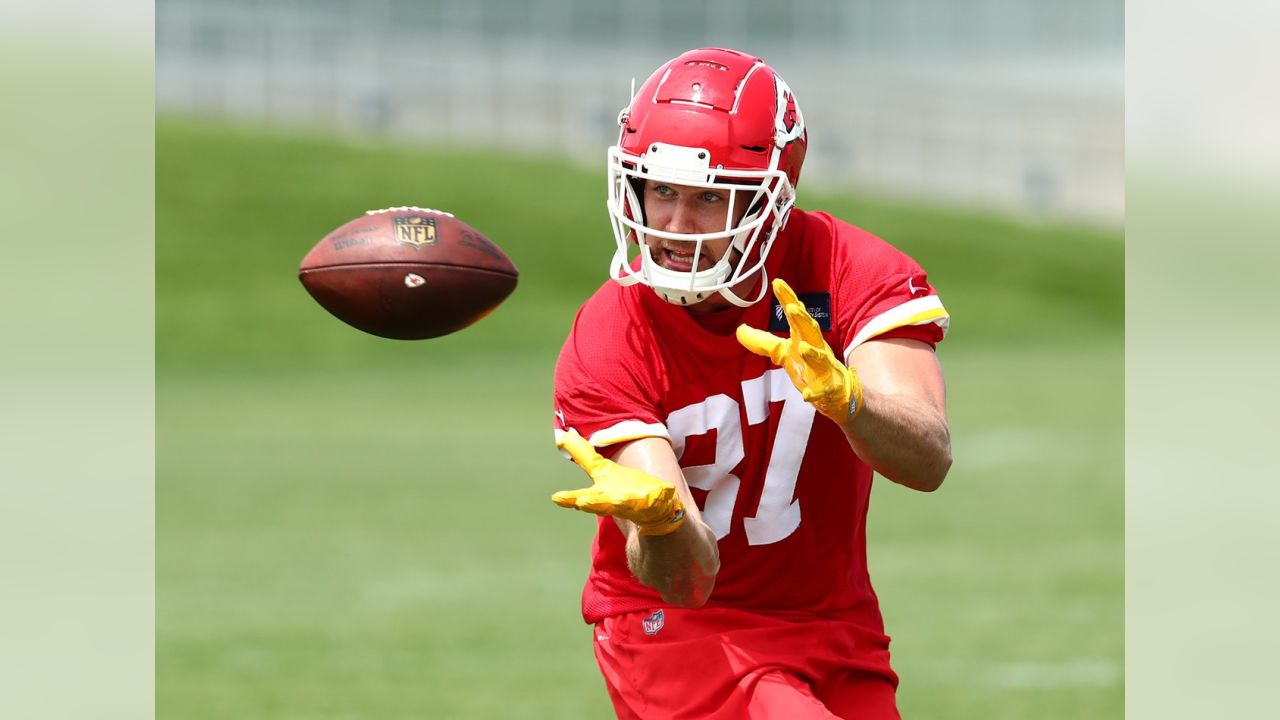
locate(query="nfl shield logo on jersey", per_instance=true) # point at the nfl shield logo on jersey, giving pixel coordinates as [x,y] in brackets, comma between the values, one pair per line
[653,623]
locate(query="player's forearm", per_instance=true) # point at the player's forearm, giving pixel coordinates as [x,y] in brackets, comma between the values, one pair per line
[681,566]
[904,438]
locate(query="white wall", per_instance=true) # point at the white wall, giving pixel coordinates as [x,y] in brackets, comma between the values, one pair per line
[1010,104]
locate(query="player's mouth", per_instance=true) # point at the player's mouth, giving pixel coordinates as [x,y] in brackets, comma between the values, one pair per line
[681,261]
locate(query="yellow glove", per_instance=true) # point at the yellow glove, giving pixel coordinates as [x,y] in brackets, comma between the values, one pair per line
[817,373]
[619,491]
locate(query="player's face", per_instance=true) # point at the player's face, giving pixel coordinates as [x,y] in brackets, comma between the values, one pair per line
[687,209]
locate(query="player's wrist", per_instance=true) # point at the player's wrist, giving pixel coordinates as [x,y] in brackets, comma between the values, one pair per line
[848,405]
[855,404]
[665,526]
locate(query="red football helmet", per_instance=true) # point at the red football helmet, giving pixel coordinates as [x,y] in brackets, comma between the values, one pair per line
[710,118]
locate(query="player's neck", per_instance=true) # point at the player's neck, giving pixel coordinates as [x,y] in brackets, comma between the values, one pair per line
[719,303]
[722,321]
[719,316]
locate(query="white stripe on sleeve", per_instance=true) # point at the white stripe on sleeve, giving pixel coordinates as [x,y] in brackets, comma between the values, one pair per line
[920,311]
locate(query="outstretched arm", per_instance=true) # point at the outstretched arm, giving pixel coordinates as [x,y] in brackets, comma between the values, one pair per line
[669,547]
[901,431]
[887,396]
[682,566]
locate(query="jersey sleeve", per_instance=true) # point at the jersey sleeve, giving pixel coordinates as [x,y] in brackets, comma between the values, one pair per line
[883,293]
[603,389]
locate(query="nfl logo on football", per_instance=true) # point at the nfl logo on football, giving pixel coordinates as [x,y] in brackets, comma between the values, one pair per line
[653,623]
[415,230]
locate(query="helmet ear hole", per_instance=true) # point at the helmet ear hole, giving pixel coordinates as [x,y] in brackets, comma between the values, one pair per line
[637,189]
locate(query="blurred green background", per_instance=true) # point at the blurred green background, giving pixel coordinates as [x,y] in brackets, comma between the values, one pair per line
[360,528]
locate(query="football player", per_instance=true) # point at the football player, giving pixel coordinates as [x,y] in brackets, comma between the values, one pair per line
[730,391]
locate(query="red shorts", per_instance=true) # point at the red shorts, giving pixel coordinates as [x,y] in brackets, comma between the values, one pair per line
[731,664]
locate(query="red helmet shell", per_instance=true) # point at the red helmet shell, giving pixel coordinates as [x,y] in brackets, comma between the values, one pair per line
[724,101]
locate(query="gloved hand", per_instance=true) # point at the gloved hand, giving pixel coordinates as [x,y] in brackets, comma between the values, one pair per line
[620,491]
[822,379]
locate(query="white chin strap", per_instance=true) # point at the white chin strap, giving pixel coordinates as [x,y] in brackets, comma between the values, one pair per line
[731,296]
[673,286]
[677,287]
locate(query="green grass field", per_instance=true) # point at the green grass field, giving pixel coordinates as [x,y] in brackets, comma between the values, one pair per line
[352,527]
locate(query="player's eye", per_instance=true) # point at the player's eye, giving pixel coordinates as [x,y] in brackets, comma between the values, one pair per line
[711,197]
[663,191]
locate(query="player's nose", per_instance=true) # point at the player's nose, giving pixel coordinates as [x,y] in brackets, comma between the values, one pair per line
[683,218]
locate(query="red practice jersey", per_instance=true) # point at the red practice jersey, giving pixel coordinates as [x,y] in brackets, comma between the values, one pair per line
[778,483]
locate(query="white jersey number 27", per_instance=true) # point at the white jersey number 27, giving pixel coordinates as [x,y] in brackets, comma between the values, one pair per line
[778,513]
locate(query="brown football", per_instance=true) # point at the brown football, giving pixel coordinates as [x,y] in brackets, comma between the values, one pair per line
[408,273]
